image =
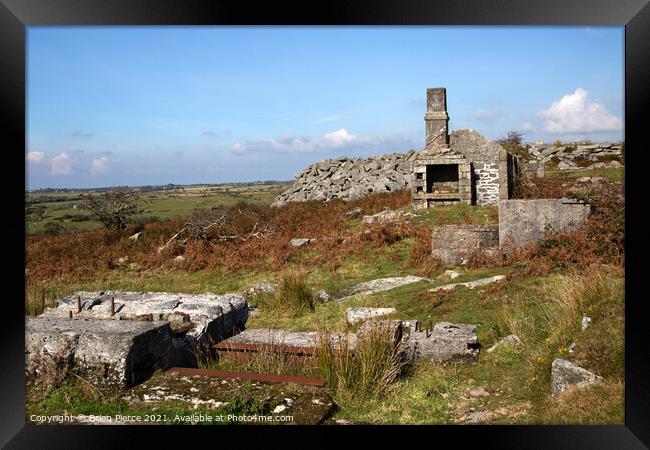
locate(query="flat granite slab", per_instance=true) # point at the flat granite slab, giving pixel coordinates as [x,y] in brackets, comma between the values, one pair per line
[103,352]
[284,337]
[196,315]
[380,285]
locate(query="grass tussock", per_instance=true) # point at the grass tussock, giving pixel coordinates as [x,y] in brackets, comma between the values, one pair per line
[364,371]
[293,297]
[38,297]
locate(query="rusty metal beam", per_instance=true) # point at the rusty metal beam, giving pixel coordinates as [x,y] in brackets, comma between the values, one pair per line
[252,376]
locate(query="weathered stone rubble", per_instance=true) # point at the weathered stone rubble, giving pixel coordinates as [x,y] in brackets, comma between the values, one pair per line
[566,154]
[447,342]
[350,178]
[103,352]
[469,284]
[387,216]
[284,337]
[308,405]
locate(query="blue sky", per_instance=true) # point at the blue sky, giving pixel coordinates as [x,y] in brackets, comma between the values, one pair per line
[155,105]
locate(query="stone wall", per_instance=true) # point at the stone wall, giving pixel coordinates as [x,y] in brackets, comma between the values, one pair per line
[523,222]
[350,178]
[455,244]
[487,183]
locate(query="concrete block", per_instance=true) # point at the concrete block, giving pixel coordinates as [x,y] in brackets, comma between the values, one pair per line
[524,222]
[103,352]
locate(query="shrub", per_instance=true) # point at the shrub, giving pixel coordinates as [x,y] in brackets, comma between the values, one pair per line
[53,229]
[513,143]
[114,209]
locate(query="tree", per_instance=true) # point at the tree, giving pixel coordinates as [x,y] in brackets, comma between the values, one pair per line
[513,142]
[114,209]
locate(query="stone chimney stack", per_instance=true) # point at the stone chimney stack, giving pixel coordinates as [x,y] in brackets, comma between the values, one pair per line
[436,118]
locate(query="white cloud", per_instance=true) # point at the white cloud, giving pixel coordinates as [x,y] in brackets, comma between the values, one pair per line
[290,143]
[574,113]
[338,138]
[35,156]
[61,164]
[100,165]
[488,115]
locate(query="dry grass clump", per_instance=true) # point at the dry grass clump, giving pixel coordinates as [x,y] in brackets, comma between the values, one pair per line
[293,297]
[38,297]
[366,371]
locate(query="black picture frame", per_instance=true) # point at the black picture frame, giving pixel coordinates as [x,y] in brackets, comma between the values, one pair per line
[16,15]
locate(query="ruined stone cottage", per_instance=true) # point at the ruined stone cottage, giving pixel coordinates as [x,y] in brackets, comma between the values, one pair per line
[462,168]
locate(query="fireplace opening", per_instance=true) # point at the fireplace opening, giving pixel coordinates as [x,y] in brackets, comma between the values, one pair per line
[442,178]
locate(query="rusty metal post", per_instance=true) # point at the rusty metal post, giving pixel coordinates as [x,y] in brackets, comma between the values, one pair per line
[112,306]
[78,303]
[70,313]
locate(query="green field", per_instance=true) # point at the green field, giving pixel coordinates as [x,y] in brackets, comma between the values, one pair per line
[59,207]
